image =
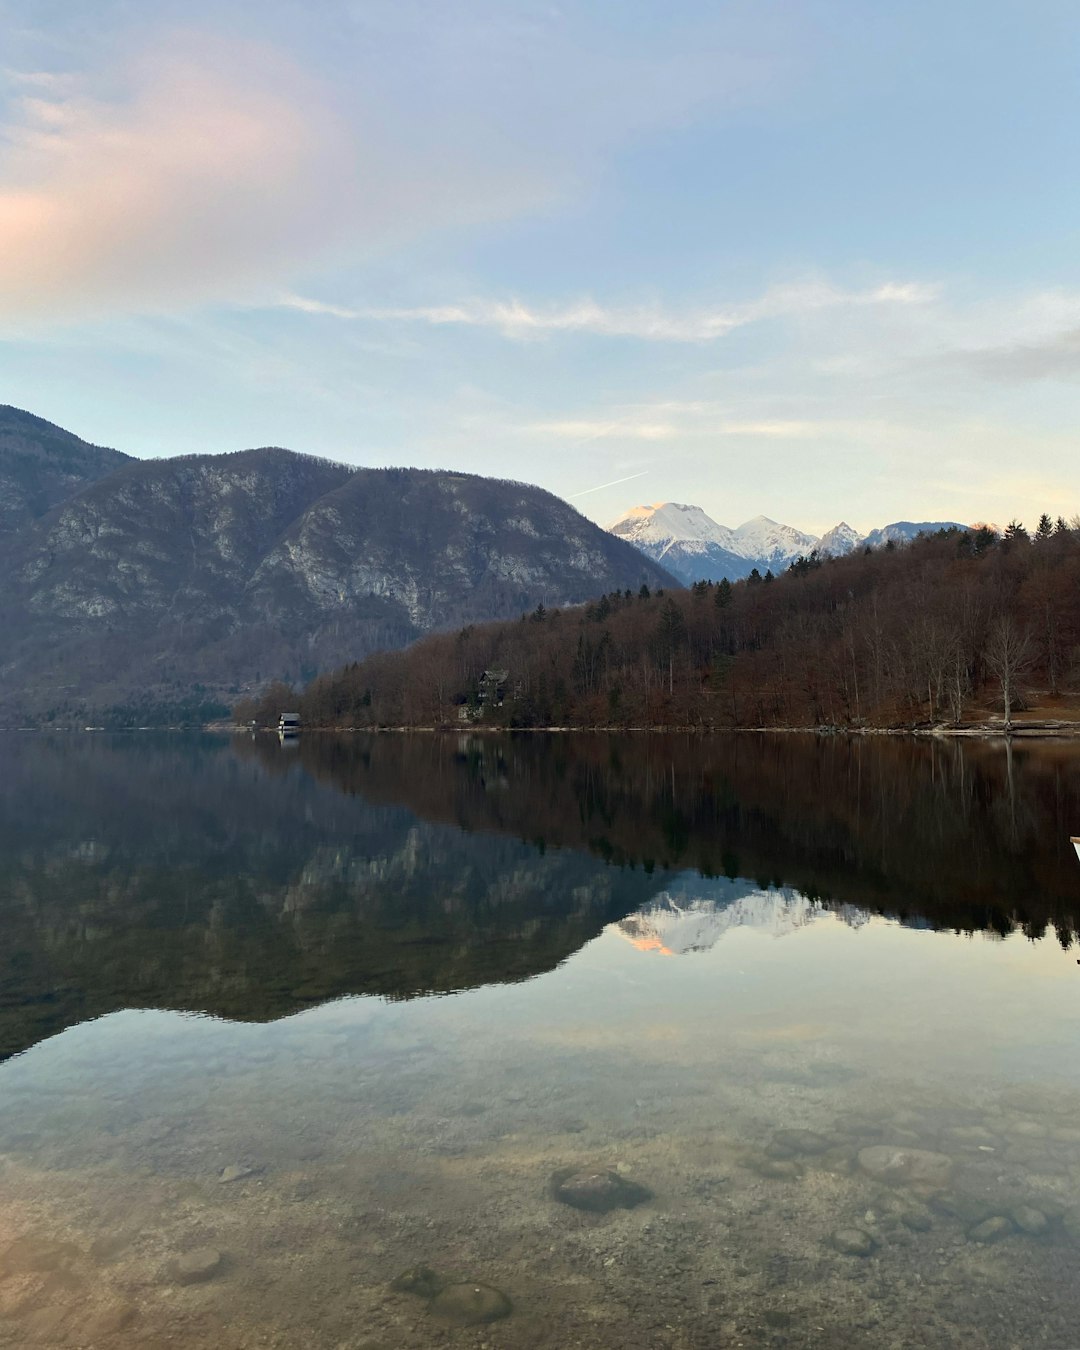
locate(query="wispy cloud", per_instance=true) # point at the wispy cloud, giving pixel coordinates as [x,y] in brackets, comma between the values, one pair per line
[585,429]
[695,420]
[516,319]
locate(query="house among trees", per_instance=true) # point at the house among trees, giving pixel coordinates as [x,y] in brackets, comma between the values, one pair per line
[490,693]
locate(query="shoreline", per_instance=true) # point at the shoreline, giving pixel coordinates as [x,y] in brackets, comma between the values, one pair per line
[976,731]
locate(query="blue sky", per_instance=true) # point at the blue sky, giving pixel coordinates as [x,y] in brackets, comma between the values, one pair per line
[816,260]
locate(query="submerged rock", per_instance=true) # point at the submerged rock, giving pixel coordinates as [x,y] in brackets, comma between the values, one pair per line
[203,1263]
[918,1220]
[1030,1220]
[777,1169]
[786,1142]
[419,1280]
[853,1241]
[905,1166]
[991,1230]
[469,1305]
[238,1172]
[598,1189]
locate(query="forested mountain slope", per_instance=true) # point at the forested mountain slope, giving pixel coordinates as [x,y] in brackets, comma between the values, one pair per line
[172,584]
[955,624]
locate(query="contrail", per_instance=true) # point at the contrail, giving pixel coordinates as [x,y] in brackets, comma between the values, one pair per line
[614,483]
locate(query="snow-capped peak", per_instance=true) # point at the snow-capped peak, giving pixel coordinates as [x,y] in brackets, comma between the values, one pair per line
[839,540]
[769,540]
[665,523]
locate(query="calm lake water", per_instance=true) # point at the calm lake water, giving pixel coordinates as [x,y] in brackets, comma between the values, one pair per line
[310,1046]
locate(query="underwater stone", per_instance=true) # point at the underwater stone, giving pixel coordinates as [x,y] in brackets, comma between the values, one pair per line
[1030,1220]
[918,1220]
[419,1280]
[991,1230]
[776,1169]
[786,1142]
[236,1172]
[905,1166]
[853,1242]
[469,1305]
[203,1263]
[598,1189]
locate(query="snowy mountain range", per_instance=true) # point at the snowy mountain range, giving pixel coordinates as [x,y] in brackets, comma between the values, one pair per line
[694,547]
[693,914]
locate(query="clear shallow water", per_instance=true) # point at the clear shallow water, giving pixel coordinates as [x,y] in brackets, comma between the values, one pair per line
[216,995]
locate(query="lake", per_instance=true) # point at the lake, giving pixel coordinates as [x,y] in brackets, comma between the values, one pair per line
[538,1041]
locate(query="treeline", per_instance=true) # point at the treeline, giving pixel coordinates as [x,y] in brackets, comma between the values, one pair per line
[951,626]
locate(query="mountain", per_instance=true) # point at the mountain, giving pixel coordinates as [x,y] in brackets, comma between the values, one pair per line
[903,531]
[42,465]
[201,575]
[762,540]
[695,547]
[841,539]
[684,540]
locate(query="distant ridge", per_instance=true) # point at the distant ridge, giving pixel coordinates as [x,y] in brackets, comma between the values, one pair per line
[695,547]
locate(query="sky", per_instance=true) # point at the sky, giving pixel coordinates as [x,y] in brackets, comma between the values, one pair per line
[816,259]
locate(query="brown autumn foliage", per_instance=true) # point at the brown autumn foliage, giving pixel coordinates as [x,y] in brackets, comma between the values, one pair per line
[954,624]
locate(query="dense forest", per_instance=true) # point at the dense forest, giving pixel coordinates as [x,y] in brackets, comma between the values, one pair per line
[957,625]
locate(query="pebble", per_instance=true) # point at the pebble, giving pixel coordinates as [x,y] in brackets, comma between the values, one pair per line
[918,1220]
[236,1172]
[786,1142]
[853,1242]
[598,1189]
[470,1305]
[419,1280]
[776,1169]
[203,1263]
[905,1166]
[1030,1220]
[991,1230]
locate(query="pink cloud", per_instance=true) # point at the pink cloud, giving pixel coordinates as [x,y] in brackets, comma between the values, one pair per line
[215,168]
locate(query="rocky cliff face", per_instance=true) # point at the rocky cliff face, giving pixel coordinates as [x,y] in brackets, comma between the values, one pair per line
[215,573]
[42,465]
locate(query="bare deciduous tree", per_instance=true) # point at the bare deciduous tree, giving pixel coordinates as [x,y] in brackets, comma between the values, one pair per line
[1009,652]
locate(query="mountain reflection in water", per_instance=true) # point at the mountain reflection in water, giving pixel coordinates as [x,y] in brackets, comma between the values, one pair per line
[693,974]
[250,882]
